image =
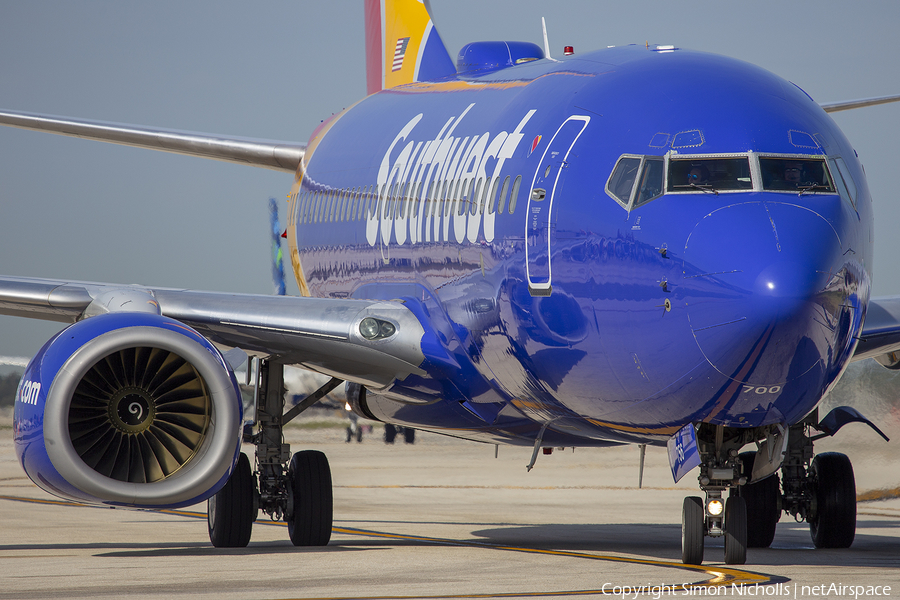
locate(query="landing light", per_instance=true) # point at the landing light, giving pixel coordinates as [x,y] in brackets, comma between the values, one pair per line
[376,329]
[771,285]
[715,507]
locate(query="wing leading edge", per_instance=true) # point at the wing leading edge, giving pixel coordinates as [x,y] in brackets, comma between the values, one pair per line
[831,107]
[880,337]
[316,333]
[269,154]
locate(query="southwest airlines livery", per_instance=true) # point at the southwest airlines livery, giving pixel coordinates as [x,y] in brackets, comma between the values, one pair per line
[514,248]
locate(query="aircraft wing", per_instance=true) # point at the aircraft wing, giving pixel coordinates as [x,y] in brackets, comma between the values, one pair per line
[319,334]
[881,332]
[830,107]
[269,154]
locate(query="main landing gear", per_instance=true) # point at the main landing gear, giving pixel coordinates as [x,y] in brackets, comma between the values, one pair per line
[820,490]
[296,489]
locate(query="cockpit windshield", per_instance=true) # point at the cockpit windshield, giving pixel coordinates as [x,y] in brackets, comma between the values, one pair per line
[638,179]
[795,174]
[709,174]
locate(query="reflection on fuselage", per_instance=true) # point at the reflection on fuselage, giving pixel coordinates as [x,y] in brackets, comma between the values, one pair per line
[686,284]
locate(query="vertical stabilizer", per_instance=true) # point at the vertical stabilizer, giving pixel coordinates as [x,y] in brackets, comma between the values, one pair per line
[402,45]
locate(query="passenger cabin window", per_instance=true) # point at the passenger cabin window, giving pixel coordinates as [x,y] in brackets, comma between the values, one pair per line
[484,196]
[414,209]
[492,206]
[503,193]
[460,196]
[795,174]
[378,204]
[371,201]
[363,202]
[473,197]
[403,200]
[514,195]
[709,174]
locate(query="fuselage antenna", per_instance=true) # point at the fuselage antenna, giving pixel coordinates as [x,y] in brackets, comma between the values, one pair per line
[546,41]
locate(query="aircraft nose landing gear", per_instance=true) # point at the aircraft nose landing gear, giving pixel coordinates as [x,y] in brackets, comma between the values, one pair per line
[820,490]
[729,520]
[715,517]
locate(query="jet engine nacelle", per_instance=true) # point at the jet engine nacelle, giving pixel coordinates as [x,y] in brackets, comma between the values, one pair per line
[891,360]
[129,409]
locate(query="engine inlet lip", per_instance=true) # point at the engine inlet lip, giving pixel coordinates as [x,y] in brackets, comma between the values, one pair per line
[205,471]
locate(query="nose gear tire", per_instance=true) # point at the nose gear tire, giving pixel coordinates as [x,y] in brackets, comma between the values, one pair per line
[735,531]
[692,531]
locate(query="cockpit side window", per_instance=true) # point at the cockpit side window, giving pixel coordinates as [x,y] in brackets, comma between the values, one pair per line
[711,174]
[844,180]
[651,181]
[621,182]
[795,174]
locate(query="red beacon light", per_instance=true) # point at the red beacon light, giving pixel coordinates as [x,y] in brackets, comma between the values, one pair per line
[568,50]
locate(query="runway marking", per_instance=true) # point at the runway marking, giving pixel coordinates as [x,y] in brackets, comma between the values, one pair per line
[501,487]
[875,495]
[40,501]
[868,496]
[719,575]
[878,514]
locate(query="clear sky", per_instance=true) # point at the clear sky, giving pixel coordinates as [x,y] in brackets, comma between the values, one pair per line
[84,210]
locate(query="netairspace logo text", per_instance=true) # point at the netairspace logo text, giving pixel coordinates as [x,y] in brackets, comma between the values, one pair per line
[775,590]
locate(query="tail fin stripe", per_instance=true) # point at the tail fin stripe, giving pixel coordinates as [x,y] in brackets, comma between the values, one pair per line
[402,45]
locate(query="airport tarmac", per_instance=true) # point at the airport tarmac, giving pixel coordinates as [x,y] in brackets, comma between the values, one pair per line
[443,519]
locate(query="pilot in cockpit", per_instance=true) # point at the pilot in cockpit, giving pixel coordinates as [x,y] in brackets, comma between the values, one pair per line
[699,175]
[792,173]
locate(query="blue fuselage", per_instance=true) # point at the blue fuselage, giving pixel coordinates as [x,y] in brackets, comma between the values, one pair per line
[488,204]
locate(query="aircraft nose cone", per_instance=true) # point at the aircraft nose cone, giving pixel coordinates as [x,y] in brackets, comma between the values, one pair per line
[764,287]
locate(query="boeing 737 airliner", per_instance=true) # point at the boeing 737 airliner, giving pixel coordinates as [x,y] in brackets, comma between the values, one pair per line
[514,248]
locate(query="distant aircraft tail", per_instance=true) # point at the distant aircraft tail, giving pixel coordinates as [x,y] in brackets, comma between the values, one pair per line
[402,45]
[277,255]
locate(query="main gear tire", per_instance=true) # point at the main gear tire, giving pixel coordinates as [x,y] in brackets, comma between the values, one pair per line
[834,523]
[762,504]
[230,512]
[310,521]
